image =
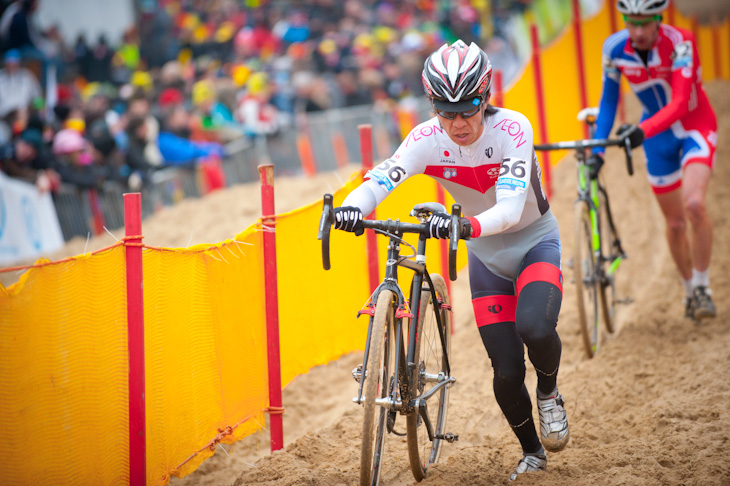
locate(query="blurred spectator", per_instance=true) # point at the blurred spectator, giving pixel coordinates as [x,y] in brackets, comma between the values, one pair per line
[139,165]
[353,93]
[100,61]
[140,107]
[18,30]
[75,162]
[18,86]
[255,111]
[175,144]
[28,159]
[215,117]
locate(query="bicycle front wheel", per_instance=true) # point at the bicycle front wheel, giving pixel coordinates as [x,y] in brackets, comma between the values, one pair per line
[587,285]
[430,359]
[608,283]
[377,376]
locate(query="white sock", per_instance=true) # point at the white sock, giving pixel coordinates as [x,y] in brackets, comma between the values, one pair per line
[687,287]
[700,278]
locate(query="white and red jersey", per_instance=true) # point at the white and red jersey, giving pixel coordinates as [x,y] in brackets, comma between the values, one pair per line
[496,180]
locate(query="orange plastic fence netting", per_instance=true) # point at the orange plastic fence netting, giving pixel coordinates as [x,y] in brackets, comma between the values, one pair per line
[63,362]
[63,373]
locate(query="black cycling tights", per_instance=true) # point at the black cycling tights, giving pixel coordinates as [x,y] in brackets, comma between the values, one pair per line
[535,327]
[508,322]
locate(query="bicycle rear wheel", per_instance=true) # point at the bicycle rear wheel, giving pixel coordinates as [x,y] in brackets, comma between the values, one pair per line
[377,376]
[431,362]
[608,283]
[587,286]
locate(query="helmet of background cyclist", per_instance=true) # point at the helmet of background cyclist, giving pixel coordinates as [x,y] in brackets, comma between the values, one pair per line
[457,77]
[642,7]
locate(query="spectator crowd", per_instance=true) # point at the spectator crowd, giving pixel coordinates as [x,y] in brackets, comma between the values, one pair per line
[192,75]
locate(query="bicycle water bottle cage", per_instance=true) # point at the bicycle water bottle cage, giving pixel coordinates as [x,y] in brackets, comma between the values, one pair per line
[588,115]
[423,210]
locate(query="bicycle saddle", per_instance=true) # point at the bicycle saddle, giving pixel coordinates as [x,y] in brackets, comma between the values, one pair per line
[585,113]
[425,209]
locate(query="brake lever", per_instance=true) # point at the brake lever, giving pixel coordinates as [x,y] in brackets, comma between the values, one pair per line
[454,239]
[629,161]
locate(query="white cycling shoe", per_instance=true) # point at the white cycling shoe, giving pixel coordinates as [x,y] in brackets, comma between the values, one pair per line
[530,463]
[554,431]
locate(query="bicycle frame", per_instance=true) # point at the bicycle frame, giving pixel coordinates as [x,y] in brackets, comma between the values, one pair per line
[589,191]
[594,277]
[404,356]
[405,366]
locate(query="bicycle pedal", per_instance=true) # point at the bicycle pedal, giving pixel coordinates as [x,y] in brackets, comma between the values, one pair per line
[357,373]
[448,437]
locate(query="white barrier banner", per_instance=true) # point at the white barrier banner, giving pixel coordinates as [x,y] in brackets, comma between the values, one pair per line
[29,225]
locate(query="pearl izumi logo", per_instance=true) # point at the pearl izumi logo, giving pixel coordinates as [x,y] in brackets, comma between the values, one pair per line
[489,152]
[447,156]
[449,173]
[495,309]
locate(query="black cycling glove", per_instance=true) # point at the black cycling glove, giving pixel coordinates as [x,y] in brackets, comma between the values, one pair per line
[349,218]
[594,163]
[633,132]
[439,226]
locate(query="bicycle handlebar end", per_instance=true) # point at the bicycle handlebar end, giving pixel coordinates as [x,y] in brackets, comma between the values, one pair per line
[325,226]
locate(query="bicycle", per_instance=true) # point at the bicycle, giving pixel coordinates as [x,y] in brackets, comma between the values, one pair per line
[412,376]
[597,250]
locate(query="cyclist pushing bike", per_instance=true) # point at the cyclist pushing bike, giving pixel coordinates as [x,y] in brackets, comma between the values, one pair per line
[662,65]
[484,157]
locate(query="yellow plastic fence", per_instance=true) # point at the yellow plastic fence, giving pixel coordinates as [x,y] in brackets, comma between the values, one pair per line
[63,327]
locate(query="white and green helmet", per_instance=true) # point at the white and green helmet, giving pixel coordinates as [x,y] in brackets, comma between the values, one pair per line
[642,7]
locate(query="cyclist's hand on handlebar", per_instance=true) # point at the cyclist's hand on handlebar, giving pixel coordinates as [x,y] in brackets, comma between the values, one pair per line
[439,226]
[633,132]
[349,218]
[594,163]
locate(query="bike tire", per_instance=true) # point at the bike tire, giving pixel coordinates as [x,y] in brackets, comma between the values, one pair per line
[430,360]
[607,291]
[377,376]
[586,282]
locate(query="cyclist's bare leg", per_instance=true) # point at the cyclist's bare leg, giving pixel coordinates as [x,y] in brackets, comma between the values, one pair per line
[694,189]
[672,207]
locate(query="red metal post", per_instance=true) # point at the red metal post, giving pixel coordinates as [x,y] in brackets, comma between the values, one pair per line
[497,89]
[266,173]
[366,151]
[135,340]
[541,115]
[579,55]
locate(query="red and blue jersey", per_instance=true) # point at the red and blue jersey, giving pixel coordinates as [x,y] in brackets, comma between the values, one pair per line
[676,110]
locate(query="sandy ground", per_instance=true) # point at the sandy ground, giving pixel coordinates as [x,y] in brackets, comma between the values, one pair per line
[651,409]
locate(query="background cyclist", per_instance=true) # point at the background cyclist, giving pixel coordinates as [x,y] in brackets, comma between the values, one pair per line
[485,158]
[678,124]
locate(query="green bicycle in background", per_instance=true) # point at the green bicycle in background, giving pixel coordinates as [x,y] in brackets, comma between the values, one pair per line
[597,251]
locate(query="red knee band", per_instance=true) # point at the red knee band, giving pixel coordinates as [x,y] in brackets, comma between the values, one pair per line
[494,308]
[540,272]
